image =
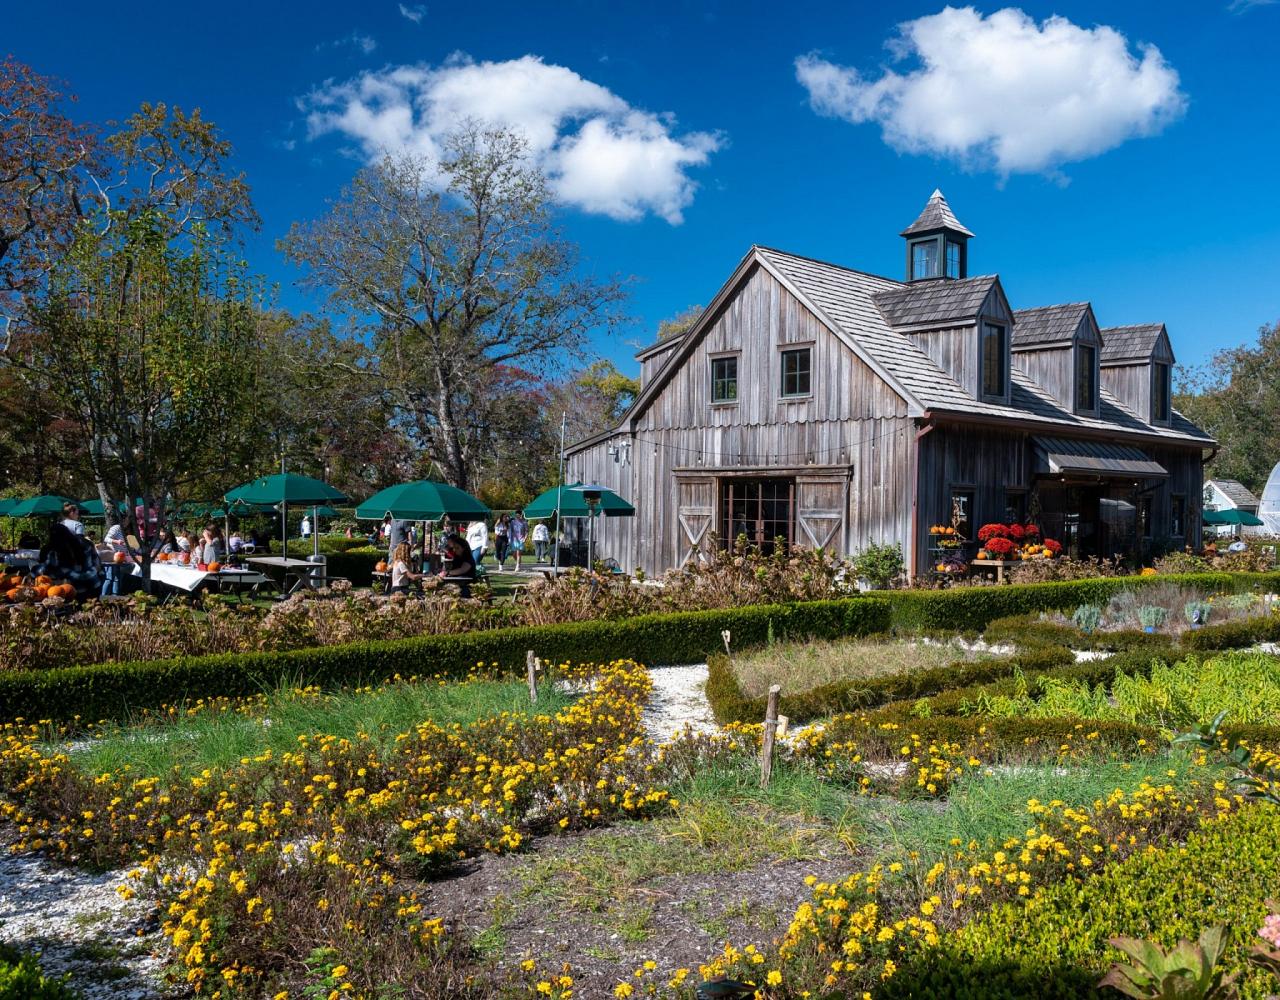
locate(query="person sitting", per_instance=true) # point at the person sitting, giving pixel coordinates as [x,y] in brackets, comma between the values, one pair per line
[460,565]
[71,518]
[212,548]
[71,557]
[402,573]
[166,544]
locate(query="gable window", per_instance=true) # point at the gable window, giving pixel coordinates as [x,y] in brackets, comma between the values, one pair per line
[953,259]
[1178,516]
[796,372]
[1160,392]
[995,357]
[1086,377]
[724,380]
[924,259]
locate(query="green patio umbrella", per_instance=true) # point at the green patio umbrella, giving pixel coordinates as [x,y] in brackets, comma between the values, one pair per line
[571,501]
[7,504]
[40,506]
[421,500]
[1234,516]
[285,489]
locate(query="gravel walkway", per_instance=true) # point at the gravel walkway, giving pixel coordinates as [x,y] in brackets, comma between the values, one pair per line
[679,699]
[80,925]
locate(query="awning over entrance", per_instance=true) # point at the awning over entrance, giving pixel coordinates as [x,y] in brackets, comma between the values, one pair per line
[1069,456]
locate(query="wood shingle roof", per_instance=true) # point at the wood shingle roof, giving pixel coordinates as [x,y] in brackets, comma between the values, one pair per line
[936,303]
[1130,343]
[937,215]
[1236,492]
[1047,324]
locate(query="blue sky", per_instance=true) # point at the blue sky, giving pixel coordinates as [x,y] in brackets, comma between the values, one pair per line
[1149,191]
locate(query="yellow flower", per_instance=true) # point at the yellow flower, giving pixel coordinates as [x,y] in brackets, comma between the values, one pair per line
[774,978]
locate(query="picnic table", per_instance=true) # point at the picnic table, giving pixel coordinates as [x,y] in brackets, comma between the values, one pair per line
[20,559]
[190,579]
[306,575]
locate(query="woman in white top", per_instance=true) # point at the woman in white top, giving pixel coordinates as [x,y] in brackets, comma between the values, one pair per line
[541,540]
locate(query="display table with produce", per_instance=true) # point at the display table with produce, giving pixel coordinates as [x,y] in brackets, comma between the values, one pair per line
[191,578]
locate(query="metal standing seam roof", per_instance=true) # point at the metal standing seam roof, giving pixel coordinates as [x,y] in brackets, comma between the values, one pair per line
[1130,343]
[1065,455]
[848,299]
[1047,324]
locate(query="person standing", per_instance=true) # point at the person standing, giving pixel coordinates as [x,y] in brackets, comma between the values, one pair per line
[541,541]
[501,540]
[305,527]
[71,518]
[118,562]
[517,531]
[402,573]
[478,540]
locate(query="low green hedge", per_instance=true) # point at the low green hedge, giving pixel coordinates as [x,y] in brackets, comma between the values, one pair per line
[1054,946]
[730,704]
[969,609]
[109,690]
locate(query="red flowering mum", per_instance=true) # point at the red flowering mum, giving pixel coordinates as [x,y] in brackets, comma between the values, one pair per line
[1000,547]
[989,531]
[1055,547]
[1031,530]
[1017,532]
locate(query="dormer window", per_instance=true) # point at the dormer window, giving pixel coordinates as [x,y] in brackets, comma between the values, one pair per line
[1161,392]
[994,354]
[1086,378]
[953,259]
[924,259]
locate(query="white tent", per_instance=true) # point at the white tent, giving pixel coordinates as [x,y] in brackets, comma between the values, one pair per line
[1269,507]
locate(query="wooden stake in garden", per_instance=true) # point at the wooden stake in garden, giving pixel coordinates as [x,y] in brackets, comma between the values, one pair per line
[531,666]
[770,733]
[726,635]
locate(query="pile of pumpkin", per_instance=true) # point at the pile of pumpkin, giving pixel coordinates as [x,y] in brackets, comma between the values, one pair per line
[26,590]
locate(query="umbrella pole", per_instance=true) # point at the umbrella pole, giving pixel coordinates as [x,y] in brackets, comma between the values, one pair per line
[564,419]
[315,533]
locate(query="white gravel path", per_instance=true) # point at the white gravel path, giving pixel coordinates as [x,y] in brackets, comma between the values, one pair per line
[679,698]
[80,924]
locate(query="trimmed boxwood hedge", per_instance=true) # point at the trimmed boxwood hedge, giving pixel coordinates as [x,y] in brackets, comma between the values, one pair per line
[109,690]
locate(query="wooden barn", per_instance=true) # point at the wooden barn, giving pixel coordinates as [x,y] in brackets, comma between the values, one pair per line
[829,407]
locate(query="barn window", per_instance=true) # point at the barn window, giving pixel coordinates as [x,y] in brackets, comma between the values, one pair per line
[796,372]
[953,259]
[962,501]
[924,259]
[1160,392]
[1086,378]
[724,380]
[1178,516]
[995,359]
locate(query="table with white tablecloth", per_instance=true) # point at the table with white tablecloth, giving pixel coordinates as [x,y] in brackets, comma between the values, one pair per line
[190,579]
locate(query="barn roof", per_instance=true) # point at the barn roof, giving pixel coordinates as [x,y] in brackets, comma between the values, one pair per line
[937,214]
[1047,324]
[1130,343]
[935,303]
[849,299]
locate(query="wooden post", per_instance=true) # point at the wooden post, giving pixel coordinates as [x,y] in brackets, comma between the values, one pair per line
[770,734]
[531,666]
[725,635]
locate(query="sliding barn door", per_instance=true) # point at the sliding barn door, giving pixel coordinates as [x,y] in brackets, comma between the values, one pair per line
[695,514]
[820,512]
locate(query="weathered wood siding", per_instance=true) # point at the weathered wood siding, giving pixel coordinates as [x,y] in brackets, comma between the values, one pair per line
[651,364]
[848,444]
[955,351]
[1131,385]
[1052,367]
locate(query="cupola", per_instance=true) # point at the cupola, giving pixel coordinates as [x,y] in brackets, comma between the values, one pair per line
[937,243]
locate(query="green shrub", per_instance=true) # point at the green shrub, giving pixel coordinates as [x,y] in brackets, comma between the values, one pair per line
[1054,947]
[21,978]
[880,565]
[109,690]
[1152,616]
[1234,635]
[1087,617]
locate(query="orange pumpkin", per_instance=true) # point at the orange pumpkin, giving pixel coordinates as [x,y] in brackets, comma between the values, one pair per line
[42,591]
[381,567]
[214,567]
[118,557]
[43,581]
[982,554]
[13,593]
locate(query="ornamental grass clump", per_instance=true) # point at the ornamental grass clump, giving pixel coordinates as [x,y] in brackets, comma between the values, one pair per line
[1087,618]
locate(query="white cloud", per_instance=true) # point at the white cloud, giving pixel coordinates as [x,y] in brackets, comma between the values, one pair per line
[1244,6]
[1002,91]
[414,13]
[599,153]
[364,43]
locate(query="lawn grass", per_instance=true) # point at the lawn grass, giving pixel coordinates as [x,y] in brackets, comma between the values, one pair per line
[218,739]
[802,666]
